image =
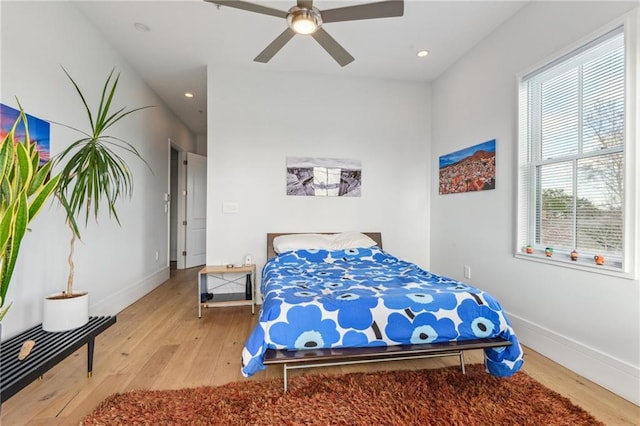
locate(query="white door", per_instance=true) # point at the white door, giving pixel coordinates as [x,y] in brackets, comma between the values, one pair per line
[196,210]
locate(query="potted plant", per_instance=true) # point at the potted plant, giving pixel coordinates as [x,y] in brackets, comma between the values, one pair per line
[93,173]
[24,187]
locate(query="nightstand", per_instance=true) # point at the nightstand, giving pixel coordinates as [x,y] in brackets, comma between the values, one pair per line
[224,275]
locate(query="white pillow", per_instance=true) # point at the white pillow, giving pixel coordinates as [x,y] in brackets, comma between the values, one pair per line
[342,241]
[351,240]
[284,243]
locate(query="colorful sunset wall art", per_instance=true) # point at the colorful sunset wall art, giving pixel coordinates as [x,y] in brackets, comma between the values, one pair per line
[38,130]
[470,169]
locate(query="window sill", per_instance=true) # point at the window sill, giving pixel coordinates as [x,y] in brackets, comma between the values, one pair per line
[586,264]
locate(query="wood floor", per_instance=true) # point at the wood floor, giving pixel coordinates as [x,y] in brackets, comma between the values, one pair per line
[159,343]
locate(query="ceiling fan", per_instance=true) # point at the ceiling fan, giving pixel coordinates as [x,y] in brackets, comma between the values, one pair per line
[304,19]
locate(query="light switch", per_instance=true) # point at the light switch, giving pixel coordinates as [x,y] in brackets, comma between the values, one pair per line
[230,207]
[467,271]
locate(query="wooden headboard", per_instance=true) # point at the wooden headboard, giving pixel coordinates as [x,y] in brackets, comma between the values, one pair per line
[375,236]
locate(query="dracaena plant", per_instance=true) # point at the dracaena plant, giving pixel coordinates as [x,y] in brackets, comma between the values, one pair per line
[24,187]
[93,174]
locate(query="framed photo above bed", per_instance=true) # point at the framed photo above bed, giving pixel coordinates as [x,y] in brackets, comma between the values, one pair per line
[323,177]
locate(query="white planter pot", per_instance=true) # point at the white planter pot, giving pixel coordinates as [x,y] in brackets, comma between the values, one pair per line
[62,314]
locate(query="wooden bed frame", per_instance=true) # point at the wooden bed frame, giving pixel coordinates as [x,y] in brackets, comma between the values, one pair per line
[311,358]
[375,236]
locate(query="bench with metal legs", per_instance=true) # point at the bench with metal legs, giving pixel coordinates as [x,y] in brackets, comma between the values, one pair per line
[49,349]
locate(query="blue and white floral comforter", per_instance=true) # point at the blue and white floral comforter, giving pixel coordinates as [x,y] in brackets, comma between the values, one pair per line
[367,297]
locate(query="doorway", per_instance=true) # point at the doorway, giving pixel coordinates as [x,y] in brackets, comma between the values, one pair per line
[187,223]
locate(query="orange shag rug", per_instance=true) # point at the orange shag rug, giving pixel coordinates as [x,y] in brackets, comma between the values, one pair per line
[417,397]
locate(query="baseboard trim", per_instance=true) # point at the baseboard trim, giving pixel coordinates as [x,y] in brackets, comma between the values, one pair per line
[118,301]
[618,376]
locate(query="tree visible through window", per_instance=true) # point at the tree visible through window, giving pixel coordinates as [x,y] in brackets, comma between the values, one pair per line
[572,152]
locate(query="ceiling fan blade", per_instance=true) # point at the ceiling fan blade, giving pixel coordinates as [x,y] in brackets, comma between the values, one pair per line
[275,46]
[382,9]
[251,7]
[332,47]
[305,4]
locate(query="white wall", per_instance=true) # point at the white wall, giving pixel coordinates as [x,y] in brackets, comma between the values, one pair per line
[256,120]
[586,321]
[117,265]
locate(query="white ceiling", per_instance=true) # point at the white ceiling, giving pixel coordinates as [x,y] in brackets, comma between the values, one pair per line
[185,36]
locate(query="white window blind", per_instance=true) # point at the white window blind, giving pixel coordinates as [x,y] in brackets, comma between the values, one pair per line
[572,142]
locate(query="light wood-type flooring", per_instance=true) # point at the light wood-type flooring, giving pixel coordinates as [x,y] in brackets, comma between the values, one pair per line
[159,343]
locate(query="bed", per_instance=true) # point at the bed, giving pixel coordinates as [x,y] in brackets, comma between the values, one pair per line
[340,295]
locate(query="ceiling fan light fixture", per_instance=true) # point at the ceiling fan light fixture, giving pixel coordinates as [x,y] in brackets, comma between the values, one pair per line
[304,21]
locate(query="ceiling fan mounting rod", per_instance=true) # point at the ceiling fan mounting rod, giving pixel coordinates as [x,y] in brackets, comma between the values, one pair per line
[304,20]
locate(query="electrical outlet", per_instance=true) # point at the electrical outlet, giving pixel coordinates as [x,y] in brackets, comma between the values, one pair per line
[467,271]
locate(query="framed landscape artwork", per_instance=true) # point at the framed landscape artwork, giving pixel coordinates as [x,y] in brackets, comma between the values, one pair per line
[38,130]
[470,169]
[323,177]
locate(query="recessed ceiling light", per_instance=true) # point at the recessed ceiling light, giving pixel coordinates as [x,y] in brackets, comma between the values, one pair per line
[141,27]
[422,53]
[188,95]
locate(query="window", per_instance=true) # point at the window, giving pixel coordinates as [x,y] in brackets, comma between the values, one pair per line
[574,124]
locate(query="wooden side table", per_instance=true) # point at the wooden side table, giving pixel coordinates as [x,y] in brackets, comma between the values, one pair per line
[221,273]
